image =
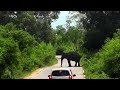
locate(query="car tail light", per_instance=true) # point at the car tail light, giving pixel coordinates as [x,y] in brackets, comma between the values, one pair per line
[50,77]
[70,77]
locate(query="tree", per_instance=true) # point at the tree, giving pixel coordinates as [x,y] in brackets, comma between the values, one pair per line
[60,30]
[77,17]
[45,32]
[47,15]
[60,34]
[75,34]
[36,23]
[11,16]
[101,24]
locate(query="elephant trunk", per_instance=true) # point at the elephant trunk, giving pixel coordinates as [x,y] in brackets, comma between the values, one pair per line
[61,61]
[62,57]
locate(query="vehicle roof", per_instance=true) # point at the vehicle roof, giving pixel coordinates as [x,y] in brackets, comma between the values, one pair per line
[61,69]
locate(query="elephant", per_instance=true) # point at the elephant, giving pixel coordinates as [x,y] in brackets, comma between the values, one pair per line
[71,56]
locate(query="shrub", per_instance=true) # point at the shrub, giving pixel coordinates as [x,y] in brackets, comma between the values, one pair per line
[43,54]
[20,53]
[106,62]
[10,65]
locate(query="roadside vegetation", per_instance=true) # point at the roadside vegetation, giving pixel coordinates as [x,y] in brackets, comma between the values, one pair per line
[28,42]
[106,62]
[97,41]
[102,42]
[20,53]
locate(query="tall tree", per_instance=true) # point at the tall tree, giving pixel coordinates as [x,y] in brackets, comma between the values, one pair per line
[60,34]
[101,24]
[37,23]
[60,30]
[75,32]
[50,16]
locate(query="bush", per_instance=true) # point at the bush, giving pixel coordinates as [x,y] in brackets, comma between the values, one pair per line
[112,58]
[106,62]
[43,54]
[10,65]
[20,53]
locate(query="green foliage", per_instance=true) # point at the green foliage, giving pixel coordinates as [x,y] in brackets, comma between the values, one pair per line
[10,56]
[93,40]
[43,54]
[106,62]
[24,39]
[20,53]
[99,26]
[112,58]
[70,40]
[36,23]
[66,47]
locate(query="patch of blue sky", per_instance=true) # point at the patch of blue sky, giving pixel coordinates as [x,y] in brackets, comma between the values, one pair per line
[62,20]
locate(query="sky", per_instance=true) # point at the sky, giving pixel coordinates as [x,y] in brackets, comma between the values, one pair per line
[61,20]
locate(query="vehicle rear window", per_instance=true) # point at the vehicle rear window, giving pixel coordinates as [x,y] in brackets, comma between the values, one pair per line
[60,73]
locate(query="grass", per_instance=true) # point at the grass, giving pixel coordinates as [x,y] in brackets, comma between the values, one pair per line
[27,73]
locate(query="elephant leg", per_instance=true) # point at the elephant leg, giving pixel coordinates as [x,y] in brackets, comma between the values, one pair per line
[75,63]
[69,63]
[78,63]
